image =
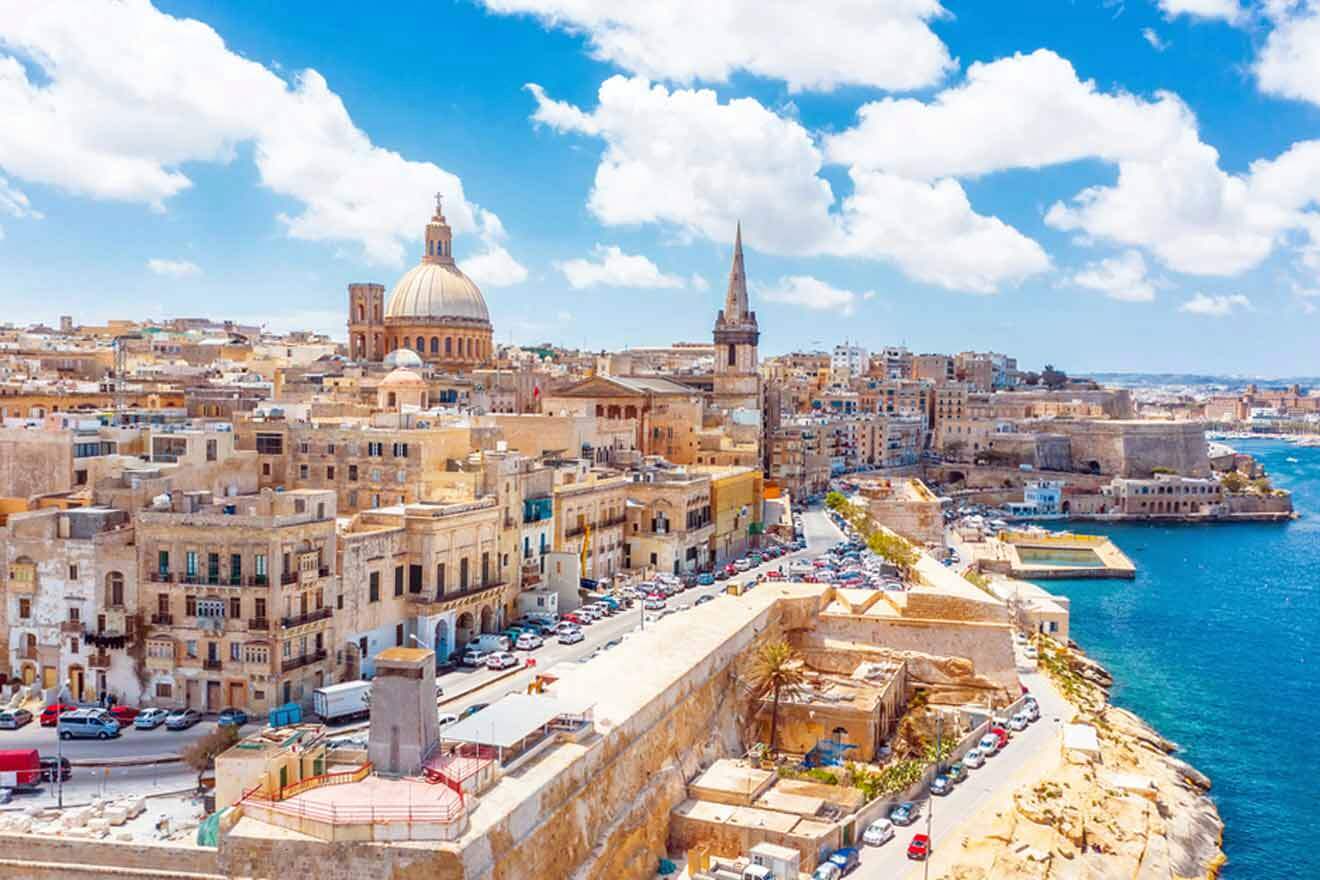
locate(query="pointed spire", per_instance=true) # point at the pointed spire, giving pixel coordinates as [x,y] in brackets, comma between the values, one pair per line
[735,301]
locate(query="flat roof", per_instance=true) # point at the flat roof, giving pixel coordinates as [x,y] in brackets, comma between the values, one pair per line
[404,655]
[507,721]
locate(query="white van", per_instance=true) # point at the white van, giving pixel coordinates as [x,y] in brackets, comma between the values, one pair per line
[87,724]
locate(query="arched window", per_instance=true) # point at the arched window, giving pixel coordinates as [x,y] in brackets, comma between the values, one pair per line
[449,345]
[430,248]
[362,312]
[391,400]
[733,356]
[469,347]
[435,345]
[114,590]
[421,345]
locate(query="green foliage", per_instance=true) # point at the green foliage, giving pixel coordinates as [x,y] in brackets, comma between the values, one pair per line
[835,500]
[776,671]
[1262,485]
[893,548]
[976,579]
[201,753]
[1233,481]
[815,774]
[1163,470]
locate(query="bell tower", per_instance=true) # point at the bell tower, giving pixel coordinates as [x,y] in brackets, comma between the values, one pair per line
[737,364]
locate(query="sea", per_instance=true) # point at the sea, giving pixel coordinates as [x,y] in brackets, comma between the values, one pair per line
[1216,644]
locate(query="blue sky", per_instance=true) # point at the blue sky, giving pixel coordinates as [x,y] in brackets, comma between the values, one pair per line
[1102,185]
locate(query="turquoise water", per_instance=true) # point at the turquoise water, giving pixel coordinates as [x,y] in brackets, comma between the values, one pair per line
[1215,644]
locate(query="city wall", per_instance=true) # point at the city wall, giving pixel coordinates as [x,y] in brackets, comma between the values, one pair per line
[32,856]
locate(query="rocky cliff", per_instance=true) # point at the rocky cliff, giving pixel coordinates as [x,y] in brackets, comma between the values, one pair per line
[1139,812]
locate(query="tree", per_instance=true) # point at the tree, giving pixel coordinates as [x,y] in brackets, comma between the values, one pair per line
[1262,485]
[893,548]
[201,754]
[1233,481]
[1053,379]
[835,500]
[776,672]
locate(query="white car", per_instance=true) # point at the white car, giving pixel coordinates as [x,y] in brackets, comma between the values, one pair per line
[654,603]
[1032,711]
[1018,721]
[571,636]
[1030,652]
[529,642]
[878,832]
[447,719]
[564,626]
[501,660]
[988,745]
[973,759]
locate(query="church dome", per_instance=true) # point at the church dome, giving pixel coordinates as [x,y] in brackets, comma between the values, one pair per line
[403,357]
[436,290]
[402,378]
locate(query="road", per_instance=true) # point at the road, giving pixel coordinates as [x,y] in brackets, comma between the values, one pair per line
[994,778]
[819,532]
[130,743]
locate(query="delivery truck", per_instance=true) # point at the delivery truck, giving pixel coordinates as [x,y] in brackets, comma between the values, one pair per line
[347,701]
[20,769]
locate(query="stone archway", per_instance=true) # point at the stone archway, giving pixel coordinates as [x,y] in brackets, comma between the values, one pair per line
[464,629]
[441,642]
[487,619]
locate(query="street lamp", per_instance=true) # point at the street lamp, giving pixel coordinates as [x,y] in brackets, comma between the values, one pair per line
[930,800]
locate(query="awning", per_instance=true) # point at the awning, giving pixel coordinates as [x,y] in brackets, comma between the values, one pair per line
[506,723]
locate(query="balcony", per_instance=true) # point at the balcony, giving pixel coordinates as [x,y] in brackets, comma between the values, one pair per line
[260,623]
[99,661]
[305,660]
[162,619]
[212,664]
[288,577]
[451,595]
[71,627]
[27,653]
[162,577]
[309,617]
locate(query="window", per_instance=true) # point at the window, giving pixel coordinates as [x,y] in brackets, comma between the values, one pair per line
[190,606]
[270,444]
[303,471]
[440,579]
[163,562]
[190,647]
[114,590]
[73,572]
[259,608]
[265,469]
[211,450]
[462,574]
[329,472]
[414,578]
[398,635]
[304,447]
[373,588]
[259,561]
[213,568]
[375,450]
[398,580]
[235,651]
[210,607]
[352,473]
[235,568]
[400,450]
[164,690]
[24,608]
[190,564]
[235,607]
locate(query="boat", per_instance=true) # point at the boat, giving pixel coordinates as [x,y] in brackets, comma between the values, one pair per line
[1291,460]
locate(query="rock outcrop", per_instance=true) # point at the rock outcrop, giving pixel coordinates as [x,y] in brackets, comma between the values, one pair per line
[1138,813]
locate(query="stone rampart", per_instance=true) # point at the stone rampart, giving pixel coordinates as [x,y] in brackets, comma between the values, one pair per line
[81,855]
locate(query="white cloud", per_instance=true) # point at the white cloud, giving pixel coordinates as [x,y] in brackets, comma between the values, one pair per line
[127,96]
[1024,111]
[811,293]
[698,282]
[1224,10]
[1122,278]
[1289,63]
[685,159]
[882,43]
[174,268]
[1158,43]
[611,267]
[14,202]
[1216,306]
[495,267]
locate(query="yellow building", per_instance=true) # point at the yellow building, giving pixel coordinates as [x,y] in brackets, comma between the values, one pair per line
[737,495]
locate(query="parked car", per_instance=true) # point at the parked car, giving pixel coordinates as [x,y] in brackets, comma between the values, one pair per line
[903,814]
[1018,722]
[471,710]
[447,719]
[956,772]
[846,859]
[988,745]
[1030,652]
[1002,735]
[722,575]
[919,848]
[1032,711]
[51,713]
[474,657]
[705,579]
[941,785]
[501,660]
[879,832]
[702,600]
[182,719]
[571,637]
[654,603]
[13,719]
[87,724]
[827,871]
[48,766]
[125,715]
[232,717]
[150,719]
[528,642]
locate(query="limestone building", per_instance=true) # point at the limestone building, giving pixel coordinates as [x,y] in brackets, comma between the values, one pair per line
[434,310]
[737,365]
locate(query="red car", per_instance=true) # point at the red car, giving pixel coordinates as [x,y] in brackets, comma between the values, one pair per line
[919,848]
[125,715]
[1000,734]
[52,713]
[573,618]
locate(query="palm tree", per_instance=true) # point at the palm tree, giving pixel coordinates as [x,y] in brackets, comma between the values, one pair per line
[776,671]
